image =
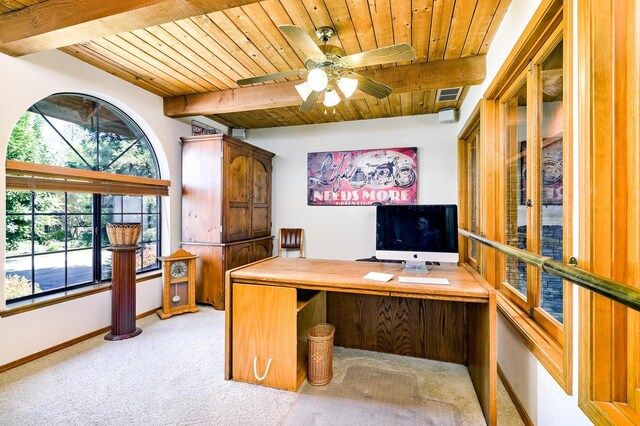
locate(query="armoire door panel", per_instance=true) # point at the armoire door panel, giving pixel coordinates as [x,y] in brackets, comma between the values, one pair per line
[237,173]
[260,223]
[261,180]
[237,202]
[237,224]
[261,196]
[201,176]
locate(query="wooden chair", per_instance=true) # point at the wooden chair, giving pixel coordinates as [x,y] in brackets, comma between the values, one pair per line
[290,238]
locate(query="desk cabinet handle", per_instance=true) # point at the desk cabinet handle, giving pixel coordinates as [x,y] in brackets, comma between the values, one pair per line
[255,369]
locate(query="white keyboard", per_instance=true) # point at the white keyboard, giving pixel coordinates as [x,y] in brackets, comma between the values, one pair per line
[423,280]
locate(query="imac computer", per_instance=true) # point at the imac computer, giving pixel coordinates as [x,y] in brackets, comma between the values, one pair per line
[417,234]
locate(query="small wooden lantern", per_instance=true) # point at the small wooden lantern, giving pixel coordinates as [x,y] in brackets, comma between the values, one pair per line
[178,284]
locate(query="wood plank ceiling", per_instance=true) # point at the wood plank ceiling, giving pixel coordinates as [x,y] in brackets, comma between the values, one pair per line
[13,5]
[205,54]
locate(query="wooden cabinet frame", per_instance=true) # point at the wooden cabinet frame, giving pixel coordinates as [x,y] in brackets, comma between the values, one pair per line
[469,140]
[609,161]
[226,208]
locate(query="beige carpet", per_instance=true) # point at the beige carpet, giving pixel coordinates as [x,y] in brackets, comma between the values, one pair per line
[172,374]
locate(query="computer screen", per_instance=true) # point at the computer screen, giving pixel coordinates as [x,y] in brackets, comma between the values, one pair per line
[417,233]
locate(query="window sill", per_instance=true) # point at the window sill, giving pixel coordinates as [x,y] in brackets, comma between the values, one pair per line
[615,413]
[54,299]
[540,343]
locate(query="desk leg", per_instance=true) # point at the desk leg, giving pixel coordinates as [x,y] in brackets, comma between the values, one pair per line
[228,326]
[482,356]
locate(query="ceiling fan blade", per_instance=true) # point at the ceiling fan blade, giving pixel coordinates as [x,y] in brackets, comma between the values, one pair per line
[308,104]
[302,41]
[275,76]
[372,87]
[384,55]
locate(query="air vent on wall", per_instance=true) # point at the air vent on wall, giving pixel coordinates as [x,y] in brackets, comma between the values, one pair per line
[239,133]
[448,95]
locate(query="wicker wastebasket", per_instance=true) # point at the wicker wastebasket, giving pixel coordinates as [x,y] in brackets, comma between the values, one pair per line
[320,340]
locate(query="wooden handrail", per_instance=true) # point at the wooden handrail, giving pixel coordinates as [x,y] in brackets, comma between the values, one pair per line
[611,289]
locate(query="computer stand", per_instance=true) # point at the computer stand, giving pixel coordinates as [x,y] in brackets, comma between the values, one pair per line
[415,267]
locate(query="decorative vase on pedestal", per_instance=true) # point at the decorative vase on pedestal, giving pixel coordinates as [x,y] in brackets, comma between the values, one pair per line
[123,238]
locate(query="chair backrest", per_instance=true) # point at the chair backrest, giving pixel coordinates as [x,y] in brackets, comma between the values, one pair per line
[290,238]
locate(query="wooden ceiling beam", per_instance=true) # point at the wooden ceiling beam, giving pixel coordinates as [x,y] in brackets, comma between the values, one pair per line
[58,23]
[407,78]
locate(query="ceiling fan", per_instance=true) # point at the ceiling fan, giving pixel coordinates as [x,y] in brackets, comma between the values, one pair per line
[327,66]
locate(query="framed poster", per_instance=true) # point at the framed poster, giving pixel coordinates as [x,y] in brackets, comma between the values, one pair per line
[362,178]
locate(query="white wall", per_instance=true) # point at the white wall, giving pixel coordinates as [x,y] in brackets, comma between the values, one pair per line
[543,399]
[27,80]
[514,22]
[348,232]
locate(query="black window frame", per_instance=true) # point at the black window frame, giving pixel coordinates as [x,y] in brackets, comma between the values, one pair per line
[96,213]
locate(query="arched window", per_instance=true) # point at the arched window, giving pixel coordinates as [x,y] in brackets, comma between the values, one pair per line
[57,240]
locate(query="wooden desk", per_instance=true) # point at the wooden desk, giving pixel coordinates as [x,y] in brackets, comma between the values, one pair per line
[271,304]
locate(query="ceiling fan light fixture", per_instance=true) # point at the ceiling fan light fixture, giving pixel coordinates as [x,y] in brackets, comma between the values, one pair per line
[304,90]
[347,85]
[331,98]
[317,79]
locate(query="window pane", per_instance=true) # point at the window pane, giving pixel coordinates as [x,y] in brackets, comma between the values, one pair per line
[49,270]
[80,267]
[79,231]
[150,204]
[149,256]
[106,264]
[79,203]
[18,277]
[136,162]
[132,218]
[118,204]
[49,233]
[515,113]
[49,202]
[104,240]
[112,146]
[149,228]
[552,178]
[81,141]
[131,204]
[26,142]
[109,205]
[18,202]
[18,234]
[35,140]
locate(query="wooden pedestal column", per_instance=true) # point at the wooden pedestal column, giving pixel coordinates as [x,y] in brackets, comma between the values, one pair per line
[123,293]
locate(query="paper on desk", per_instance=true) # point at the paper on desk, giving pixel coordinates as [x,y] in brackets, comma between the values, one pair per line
[378,276]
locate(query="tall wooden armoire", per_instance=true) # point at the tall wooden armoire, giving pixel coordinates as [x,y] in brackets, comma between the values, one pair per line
[226,208]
